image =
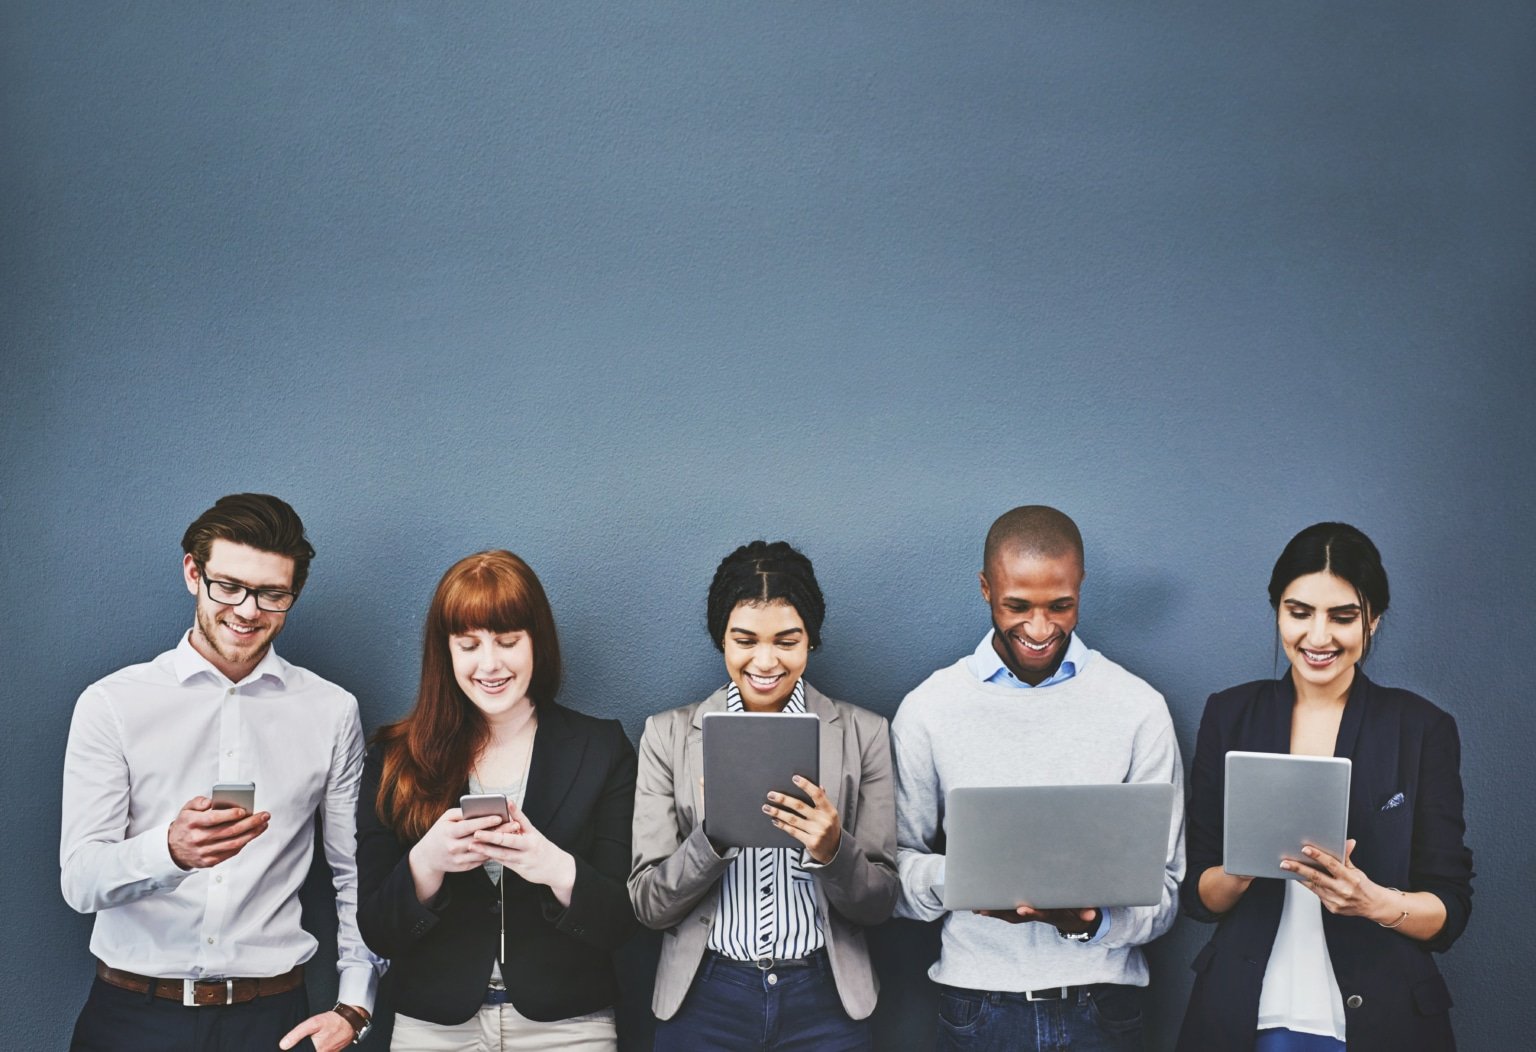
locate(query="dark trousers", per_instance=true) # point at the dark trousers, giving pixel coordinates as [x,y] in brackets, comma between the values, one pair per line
[118,1020]
[1102,1018]
[735,1007]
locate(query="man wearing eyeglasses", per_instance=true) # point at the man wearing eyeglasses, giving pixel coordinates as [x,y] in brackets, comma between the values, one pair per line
[197,937]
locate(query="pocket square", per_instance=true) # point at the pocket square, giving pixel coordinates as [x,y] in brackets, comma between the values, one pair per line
[1397,798]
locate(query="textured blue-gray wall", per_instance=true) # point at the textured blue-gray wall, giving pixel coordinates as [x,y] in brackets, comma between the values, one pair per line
[620,287]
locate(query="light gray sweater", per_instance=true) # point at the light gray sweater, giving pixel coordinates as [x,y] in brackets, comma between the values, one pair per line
[1103,725]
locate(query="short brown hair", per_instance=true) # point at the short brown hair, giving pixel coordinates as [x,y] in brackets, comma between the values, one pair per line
[258,520]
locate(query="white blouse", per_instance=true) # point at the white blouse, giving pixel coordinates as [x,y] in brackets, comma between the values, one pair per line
[1300,991]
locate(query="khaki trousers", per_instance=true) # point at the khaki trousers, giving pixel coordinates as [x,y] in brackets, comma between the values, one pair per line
[501,1028]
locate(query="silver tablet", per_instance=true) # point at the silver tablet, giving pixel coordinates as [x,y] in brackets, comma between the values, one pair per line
[1055,846]
[747,755]
[1275,804]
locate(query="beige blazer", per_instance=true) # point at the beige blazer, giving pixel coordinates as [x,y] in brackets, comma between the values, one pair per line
[677,871]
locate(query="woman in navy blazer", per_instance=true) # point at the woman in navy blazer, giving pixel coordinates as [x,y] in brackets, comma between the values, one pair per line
[499,933]
[1272,976]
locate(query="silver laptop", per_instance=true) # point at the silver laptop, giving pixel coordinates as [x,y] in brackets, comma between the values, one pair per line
[747,754]
[1275,804]
[1055,846]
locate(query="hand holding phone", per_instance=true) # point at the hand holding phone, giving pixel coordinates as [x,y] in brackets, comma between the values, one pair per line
[520,847]
[204,833]
[449,845]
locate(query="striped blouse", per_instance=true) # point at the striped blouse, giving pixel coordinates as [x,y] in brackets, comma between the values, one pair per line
[767,901]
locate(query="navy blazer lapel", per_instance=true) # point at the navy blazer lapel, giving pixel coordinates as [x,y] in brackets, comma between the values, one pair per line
[553,767]
[1274,727]
[1351,746]
[1354,716]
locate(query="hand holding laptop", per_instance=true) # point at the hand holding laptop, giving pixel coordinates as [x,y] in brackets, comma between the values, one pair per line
[1067,921]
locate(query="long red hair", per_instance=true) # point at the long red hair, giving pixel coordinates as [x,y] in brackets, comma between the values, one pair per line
[428,754]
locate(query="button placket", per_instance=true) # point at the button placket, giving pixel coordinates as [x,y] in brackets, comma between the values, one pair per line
[217,889]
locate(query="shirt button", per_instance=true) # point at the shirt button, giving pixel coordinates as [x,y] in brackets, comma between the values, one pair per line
[1355,1001]
[219,879]
[230,691]
[210,940]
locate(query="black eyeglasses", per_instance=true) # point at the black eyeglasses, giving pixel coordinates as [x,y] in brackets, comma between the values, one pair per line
[229,593]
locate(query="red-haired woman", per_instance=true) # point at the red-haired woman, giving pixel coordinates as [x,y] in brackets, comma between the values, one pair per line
[499,933]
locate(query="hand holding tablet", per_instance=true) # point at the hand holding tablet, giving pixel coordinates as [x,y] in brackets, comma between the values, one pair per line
[760,775]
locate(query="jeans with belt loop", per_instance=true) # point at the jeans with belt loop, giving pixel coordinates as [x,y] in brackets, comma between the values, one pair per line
[737,1006]
[1104,1017]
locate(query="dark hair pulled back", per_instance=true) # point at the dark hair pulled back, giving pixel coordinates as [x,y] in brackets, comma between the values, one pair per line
[1345,552]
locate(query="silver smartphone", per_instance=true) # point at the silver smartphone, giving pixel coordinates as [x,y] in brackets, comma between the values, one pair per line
[235,794]
[478,805]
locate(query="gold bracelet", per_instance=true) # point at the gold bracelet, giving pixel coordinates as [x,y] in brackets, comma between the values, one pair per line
[1399,919]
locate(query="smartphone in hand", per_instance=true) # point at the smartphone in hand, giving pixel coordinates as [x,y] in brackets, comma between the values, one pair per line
[478,805]
[235,794]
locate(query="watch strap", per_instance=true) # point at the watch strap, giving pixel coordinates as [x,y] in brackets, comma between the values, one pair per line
[354,1018]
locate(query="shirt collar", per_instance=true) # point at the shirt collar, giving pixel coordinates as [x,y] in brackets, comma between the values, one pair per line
[796,703]
[988,667]
[188,663]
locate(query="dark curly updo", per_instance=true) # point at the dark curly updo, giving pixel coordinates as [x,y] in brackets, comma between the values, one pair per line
[762,572]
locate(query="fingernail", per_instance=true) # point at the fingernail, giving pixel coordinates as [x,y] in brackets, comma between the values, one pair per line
[767,810]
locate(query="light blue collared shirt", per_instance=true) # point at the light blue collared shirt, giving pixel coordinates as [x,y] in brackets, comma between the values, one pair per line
[985,664]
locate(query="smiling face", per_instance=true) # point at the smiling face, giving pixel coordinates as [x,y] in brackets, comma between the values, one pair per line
[1323,630]
[766,650]
[493,669]
[234,639]
[1034,602]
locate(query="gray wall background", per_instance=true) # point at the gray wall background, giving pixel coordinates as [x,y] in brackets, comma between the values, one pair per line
[623,286]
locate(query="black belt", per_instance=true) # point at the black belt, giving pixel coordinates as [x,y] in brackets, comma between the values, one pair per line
[766,963]
[1047,993]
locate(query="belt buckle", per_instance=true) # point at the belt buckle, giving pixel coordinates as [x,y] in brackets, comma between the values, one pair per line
[1050,993]
[189,993]
[764,963]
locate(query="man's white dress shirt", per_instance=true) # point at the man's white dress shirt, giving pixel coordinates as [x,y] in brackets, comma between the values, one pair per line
[147,739]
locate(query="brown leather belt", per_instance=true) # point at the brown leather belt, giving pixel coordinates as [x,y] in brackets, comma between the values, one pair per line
[199,993]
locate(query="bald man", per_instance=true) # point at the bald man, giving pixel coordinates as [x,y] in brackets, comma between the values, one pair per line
[1032,705]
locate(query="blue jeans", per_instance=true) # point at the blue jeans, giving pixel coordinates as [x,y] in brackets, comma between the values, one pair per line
[735,1007]
[1105,1017]
[1278,1039]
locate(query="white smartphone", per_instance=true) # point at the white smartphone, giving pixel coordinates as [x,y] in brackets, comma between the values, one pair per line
[478,805]
[235,794]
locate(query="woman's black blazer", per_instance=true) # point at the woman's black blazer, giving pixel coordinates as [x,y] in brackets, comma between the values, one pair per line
[1405,813]
[580,795]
